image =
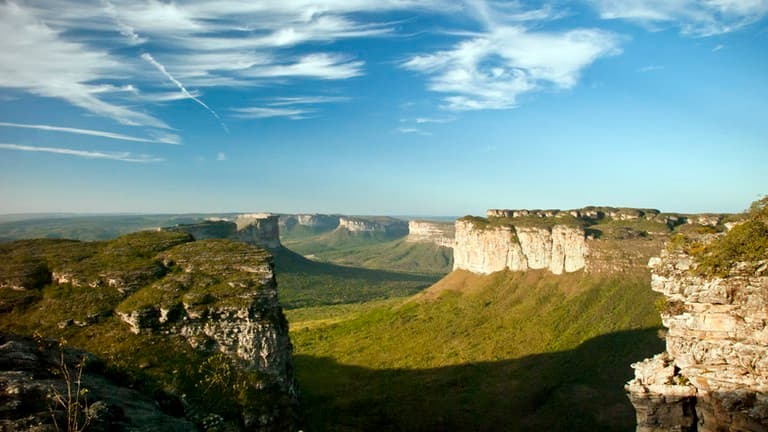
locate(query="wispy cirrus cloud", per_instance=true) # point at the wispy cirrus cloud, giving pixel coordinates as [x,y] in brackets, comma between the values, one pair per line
[160,138]
[219,43]
[38,59]
[693,17]
[492,68]
[118,156]
[294,107]
[413,131]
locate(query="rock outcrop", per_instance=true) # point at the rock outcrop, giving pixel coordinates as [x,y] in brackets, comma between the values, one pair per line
[182,303]
[487,248]
[31,376]
[714,373]
[439,233]
[259,229]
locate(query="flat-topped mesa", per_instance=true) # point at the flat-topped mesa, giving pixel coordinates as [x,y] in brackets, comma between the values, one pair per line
[260,229]
[482,247]
[713,375]
[439,233]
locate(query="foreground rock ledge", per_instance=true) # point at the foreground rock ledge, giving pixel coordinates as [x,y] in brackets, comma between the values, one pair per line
[714,373]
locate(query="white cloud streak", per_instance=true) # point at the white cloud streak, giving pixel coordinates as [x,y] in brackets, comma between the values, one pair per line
[36,58]
[413,131]
[163,138]
[491,69]
[269,112]
[118,156]
[698,18]
[151,60]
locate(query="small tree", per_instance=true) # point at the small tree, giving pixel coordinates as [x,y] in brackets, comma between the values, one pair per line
[74,400]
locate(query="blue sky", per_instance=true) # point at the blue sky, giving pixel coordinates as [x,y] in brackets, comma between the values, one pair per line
[428,107]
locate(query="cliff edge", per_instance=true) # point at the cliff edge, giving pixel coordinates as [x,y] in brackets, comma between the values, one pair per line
[713,375]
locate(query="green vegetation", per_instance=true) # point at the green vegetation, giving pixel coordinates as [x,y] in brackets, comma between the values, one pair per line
[508,351]
[397,255]
[210,272]
[304,282]
[339,241]
[746,242]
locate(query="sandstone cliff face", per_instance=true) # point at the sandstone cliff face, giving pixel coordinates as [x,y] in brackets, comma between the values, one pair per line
[717,351]
[441,234]
[259,229]
[487,249]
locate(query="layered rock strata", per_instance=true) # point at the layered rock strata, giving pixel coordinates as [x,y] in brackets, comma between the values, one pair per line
[714,373]
[489,248]
[441,234]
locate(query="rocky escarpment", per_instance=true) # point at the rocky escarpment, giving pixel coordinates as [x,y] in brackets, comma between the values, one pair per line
[380,225]
[597,239]
[439,233]
[200,319]
[714,373]
[32,374]
[484,248]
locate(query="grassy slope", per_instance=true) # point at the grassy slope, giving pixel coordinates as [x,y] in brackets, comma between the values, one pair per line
[506,351]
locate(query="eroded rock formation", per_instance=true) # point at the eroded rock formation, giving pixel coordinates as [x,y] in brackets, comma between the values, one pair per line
[714,373]
[439,233]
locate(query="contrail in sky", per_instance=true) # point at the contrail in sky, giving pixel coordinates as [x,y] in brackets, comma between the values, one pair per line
[151,60]
[134,37]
